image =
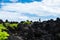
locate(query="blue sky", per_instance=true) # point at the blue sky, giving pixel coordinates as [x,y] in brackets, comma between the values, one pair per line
[18,10]
[22,1]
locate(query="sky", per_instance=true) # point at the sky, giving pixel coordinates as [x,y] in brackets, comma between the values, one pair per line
[21,10]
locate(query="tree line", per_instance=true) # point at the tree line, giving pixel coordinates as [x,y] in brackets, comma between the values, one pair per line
[29,30]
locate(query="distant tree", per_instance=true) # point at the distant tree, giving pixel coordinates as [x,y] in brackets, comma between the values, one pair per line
[6,21]
[30,21]
[51,20]
[58,20]
[27,22]
[22,22]
[1,21]
[39,20]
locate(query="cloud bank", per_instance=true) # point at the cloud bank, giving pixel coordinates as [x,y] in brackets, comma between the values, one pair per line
[16,11]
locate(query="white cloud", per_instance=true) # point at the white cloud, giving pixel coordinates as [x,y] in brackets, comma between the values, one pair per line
[12,16]
[51,2]
[52,5]
[32,8]
[44,8]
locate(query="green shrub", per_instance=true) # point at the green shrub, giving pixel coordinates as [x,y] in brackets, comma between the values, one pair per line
[7,24]
[27,22]
[2,27]
[14,24]
[11,25]
[3,35]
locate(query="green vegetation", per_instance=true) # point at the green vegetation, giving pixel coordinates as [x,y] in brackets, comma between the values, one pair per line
[7,23]
[3,35]
[4,25]
[27,22]
[13,25]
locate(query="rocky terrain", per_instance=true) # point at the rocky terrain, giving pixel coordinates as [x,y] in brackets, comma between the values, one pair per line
[37,30]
